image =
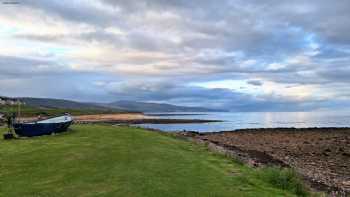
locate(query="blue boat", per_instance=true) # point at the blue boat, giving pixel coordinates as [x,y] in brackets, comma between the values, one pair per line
[43,127]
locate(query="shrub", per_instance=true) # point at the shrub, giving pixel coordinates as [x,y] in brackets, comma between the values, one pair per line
[284,178]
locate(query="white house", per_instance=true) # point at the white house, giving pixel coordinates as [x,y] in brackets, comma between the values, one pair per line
[9,101]
[2,102]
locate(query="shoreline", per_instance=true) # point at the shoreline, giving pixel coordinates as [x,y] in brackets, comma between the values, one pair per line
[320,155]
[134,118]
[125,118]
[175,114]
[149,121]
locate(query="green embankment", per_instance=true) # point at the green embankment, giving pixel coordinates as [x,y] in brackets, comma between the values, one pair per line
[99,160]
[28,111]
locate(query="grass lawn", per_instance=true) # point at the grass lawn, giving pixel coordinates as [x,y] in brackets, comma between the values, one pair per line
[97,160]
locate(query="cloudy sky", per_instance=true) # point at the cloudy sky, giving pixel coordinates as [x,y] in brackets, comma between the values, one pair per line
[242,55]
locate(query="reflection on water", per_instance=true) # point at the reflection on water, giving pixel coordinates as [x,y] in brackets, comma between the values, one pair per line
[239,120]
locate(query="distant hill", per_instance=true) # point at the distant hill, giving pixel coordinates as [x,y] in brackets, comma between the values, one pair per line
[155,107]
[63,104]
[51,107]
[118,106]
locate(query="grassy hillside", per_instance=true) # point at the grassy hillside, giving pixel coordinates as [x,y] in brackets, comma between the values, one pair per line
[59,103]
[118,106]
[120,161]
[29,111]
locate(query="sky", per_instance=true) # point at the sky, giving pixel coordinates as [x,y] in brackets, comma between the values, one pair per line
[238,55]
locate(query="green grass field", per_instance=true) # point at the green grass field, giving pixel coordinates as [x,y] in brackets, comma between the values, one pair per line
[99,160]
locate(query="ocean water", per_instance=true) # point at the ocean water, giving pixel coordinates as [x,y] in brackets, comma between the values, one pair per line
[241,120]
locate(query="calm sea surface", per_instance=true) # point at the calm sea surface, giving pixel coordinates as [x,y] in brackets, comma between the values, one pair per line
[239,120]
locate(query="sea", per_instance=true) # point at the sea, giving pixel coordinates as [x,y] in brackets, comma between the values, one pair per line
[243,120]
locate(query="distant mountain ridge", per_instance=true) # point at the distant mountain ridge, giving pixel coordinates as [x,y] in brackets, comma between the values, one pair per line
[122,106]
[156,107]
[61,104]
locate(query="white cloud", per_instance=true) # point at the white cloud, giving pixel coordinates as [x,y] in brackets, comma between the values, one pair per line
[296,51]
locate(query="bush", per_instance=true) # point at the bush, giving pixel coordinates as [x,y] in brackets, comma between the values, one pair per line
[284,178]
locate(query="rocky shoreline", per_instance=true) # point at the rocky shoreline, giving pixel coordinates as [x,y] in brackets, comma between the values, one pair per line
[320,155]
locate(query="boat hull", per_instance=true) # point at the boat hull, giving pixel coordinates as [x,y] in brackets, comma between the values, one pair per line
[38,129]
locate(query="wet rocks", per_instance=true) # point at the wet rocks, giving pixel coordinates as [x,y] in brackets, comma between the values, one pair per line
[322,155]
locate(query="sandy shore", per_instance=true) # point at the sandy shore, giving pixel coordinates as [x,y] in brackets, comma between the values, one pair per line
[110,117]
[132,118]
[321,155]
